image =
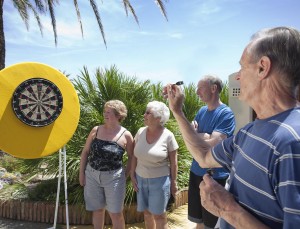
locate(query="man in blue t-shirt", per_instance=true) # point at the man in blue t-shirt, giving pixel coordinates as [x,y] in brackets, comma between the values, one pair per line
[213,122]
[264,156]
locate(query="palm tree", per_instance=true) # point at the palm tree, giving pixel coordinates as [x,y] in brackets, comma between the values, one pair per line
[23,7]
[38,7]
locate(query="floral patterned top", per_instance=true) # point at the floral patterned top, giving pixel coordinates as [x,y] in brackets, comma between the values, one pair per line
[105,155]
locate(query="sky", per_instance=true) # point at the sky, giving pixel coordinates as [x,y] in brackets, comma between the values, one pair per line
[200,37]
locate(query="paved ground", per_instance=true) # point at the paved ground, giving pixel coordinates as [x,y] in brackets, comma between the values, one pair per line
[177,220]
[15,224]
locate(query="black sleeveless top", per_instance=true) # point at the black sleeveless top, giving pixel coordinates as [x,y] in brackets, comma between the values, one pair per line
[105,155]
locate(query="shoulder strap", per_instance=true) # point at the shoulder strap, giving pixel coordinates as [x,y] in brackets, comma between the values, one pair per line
[96,132]
[121,135]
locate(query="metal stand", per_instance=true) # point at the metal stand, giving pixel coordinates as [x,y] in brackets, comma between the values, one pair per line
[62,152]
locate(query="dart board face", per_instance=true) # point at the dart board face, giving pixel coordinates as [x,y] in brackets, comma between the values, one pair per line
[37,102]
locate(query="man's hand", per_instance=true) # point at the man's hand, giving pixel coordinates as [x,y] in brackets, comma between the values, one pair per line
[175,95]
[194,124]
[214,197]
[218,201]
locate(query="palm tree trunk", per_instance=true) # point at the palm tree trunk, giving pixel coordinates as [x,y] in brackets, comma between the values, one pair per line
[2,38]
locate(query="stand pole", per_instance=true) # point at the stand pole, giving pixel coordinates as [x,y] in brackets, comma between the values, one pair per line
[62,152]
[66,185]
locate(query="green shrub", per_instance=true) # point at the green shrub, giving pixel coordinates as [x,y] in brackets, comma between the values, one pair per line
[10,163]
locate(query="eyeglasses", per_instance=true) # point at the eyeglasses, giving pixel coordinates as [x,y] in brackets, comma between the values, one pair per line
[148,112]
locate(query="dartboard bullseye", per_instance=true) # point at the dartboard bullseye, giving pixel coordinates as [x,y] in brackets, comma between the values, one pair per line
[37,102]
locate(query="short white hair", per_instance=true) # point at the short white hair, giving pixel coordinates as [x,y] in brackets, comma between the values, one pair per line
[159,110]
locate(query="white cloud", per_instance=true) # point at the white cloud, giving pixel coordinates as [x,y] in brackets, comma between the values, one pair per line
[176,35]
[158,50]
[209,7]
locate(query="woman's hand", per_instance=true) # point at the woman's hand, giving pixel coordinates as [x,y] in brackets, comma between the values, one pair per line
[174,188]
[134,182]
[82,178]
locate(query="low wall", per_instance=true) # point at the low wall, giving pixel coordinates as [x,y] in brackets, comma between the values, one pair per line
[44,212]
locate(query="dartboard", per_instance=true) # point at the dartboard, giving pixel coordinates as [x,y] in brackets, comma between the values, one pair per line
[37,102]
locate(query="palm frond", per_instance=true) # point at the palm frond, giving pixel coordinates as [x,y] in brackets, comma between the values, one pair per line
[157,92]
[224,95]
[53,20]
[192,102]
[78,16]
[127,5]
[40,6]
[36,15]
[162,8]
[98,18]
[23,11]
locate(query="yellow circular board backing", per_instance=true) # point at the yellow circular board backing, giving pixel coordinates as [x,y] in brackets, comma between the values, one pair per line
[25,141]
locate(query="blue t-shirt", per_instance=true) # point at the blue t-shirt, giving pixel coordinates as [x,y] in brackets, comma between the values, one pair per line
[220,120]
[264,160]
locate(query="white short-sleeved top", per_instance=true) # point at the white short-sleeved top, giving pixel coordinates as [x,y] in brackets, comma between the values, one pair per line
[153,159]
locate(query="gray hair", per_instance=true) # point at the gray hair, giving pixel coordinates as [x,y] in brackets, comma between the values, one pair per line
[282,46]
[159,110]
[213,79]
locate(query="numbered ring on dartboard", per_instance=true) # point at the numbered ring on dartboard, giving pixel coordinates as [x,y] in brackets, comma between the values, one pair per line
[37,102]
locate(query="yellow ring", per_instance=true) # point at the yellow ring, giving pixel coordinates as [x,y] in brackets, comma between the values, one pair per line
[24,141]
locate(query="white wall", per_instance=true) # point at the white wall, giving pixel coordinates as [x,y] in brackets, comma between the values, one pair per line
[242,112]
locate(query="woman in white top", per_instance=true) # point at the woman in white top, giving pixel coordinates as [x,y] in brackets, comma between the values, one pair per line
[154,166]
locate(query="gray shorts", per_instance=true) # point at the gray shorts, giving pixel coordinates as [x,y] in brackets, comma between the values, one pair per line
[104,189]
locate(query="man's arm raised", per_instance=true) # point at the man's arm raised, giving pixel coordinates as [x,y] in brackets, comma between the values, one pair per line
[198,147]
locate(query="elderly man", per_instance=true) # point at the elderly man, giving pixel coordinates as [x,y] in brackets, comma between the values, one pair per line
[213,122]
[264,156]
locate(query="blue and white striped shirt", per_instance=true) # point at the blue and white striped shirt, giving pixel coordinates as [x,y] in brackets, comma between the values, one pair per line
[264,160]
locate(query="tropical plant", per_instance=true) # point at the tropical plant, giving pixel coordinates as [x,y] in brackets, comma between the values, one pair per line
[111,84]
[156,92]
[224,95]
[184,158]
[93,92]
[192,103]
[39,7]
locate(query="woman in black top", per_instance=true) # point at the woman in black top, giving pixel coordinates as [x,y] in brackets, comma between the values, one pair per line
[101,170]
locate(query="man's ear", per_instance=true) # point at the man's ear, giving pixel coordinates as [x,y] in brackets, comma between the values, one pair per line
[264,67]
[214,87]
